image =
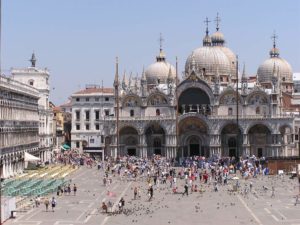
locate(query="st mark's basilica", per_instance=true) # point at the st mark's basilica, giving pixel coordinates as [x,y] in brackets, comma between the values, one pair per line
[210,110]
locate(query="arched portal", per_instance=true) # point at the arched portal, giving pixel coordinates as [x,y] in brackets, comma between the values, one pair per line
[194,100]
[231,140]
[128,141]
[155,139]
[194,139]
[260,139]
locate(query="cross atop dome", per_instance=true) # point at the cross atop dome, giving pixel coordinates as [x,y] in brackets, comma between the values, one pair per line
[274,51]
[161,56]
[161,40]
[274,37]
[206,21]
[217,20]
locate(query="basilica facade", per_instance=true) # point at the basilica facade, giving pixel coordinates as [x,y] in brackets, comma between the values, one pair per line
[212,110]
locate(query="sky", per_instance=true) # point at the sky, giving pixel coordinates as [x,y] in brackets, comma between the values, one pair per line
[78,40]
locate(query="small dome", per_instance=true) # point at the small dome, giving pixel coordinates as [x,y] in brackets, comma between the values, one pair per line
[265,71]
[274,52]
[217,38]
[157,73]
[209,58]
[206,40]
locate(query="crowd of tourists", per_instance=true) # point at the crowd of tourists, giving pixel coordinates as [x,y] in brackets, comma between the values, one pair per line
[197,173]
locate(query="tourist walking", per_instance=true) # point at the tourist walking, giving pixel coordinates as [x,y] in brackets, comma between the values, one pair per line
[46,202]
[273,192]
[186,190]
[135,192]
[74,189]
[150,192]
[121,205]
[53,203]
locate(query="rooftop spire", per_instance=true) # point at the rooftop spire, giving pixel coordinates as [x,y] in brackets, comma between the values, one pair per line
[244,71]
[33,60]
[143,74]
[217,20]
[116,81]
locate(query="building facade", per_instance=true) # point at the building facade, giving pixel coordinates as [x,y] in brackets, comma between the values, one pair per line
[39,79]
[91,107]
[19,125]
[213,110]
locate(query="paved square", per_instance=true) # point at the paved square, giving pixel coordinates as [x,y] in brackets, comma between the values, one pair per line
[209,207]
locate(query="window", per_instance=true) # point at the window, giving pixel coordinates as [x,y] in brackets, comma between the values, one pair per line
[132,113]
[54,114]
[87,127]
[296,137]
[157,112]
[77,144]
[221,79]
[77,126]
[107,99]
[102,139]
[257,110]
[96,99]
[229,111]
[97,127]
[87,115]
[77,115]
[158,81]
[77,99]
[92,140]
[97,115]
[283,79]
[106,111]
[87,99]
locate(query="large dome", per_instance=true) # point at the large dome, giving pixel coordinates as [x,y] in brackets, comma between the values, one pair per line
[231,56]
[265,71]
[212,59]
[158,72]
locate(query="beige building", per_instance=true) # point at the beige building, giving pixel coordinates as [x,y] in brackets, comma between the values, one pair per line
[39,79]
[19,125]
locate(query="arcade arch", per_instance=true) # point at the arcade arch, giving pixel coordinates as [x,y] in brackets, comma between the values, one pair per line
[193,133]
[260,140]
[129,141]
[155,139]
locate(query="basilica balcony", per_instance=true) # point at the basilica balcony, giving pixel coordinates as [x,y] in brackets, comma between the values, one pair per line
[143,118]
[259,117]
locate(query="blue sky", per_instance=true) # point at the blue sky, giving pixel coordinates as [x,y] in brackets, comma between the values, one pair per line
[77,40]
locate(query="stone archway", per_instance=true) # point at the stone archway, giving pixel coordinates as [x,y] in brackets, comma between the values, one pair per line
[129,141]
[193,137]
[155,139]
[231,140]
[260,140]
